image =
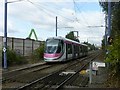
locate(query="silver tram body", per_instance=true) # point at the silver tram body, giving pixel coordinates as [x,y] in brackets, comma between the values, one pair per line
[59,49]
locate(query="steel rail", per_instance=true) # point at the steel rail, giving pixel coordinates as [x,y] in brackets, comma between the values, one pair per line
[38,80]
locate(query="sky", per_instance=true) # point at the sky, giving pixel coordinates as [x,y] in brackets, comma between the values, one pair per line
[72,15]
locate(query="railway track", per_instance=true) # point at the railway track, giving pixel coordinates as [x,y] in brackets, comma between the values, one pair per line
[17,72]
[56,79]
[29,76]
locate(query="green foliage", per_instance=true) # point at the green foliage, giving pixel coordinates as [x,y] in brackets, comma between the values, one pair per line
[103,44]
[92,47]
[114,54]
[38,53]
[114,59]
[13,58]
[71,36]
[105,5]
[115,17]
[1,56]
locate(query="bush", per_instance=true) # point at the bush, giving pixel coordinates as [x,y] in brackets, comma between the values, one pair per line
[114,55]
[13,58]
[38,53]
[113,58]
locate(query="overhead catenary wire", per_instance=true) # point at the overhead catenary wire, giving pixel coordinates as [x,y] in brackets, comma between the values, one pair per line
[50,11]
[61,26]
[84,19]
[39,8]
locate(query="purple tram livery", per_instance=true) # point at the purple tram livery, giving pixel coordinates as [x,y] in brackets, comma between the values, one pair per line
[59,49]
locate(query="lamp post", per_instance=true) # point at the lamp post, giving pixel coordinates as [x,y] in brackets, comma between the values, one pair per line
[5,36]
[5,33]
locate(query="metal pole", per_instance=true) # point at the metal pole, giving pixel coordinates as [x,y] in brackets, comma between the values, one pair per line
[109,18]
[90,73]
[56,26]
[105,31]
[5,36]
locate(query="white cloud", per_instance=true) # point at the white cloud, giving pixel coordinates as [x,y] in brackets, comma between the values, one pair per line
[23,16]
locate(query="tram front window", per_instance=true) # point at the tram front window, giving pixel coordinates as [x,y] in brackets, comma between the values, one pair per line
[53,46]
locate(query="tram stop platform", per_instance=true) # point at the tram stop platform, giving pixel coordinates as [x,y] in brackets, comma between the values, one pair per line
[99,79]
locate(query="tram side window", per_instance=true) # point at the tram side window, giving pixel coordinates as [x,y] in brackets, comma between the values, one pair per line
[69,49]
[77,49]
[81,48]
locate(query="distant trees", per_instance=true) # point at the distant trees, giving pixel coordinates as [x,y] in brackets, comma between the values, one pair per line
[71,36]
[91,46]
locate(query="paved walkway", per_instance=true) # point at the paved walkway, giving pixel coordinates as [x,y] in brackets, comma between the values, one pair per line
[98,81]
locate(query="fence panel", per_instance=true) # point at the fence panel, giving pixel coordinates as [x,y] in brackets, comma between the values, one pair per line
[1,42]
[21,46]
[28,49]
[18,46]
[9,43]
[36,44]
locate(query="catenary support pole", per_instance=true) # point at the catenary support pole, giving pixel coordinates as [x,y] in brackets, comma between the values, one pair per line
[106,28]
[5,36]
[56,26]
[109,18]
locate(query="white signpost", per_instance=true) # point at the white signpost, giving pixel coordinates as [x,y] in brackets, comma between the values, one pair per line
[94,67]
[97,64]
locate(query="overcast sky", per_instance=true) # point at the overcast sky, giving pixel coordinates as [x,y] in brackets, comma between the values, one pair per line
[41,14]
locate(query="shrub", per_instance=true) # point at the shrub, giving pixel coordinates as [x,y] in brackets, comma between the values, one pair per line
[13,58]
[38,53]
[114,55]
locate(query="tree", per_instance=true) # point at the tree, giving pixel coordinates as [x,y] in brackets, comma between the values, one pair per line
[71,36]
[115,6]
[91,46]
[113,56]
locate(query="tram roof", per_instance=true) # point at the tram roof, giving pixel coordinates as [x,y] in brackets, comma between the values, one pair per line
[65,39]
